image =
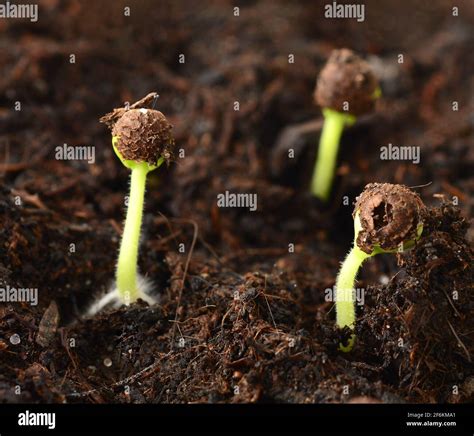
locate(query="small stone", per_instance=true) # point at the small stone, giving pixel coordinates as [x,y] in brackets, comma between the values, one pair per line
[15,339]
[107,362]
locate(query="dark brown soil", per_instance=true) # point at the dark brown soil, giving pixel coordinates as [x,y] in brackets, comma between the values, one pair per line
[242,318]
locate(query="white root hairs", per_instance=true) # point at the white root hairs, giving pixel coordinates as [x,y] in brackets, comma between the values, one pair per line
[112,300]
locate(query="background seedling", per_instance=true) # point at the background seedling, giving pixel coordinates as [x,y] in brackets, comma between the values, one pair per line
[387,219]
[346,88]
[142,140]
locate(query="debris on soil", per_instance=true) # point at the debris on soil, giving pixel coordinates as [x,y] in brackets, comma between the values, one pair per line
[48,325]
[111,118]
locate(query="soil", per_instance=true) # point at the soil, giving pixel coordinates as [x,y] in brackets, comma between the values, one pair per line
[242,315]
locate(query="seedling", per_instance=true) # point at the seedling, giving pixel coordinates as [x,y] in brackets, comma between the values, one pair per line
[346,88]
[142,140]
[387,219]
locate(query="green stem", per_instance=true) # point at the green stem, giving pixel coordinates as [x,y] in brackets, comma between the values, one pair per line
[345,284]
[324,169]
[127,263]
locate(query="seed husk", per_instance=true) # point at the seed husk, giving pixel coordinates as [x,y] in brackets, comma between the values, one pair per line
[346,78]
[389,214]
[144,135]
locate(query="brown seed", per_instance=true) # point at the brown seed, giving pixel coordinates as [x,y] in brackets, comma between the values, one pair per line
[48,325]
[346,78]
[144,135]
[389,215]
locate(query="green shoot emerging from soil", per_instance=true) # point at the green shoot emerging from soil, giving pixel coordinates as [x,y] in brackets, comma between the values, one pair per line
[128,255]
[346,88]
[387,219]
[325,166]
[142,140]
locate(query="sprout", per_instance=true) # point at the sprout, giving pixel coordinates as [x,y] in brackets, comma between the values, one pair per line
[142,140]
[346,88]
[387,219]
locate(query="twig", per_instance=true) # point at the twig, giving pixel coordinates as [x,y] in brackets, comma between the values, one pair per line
[185,272]
[268,305]
[460,342]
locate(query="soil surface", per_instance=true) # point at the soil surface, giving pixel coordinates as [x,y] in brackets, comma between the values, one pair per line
[242,315]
